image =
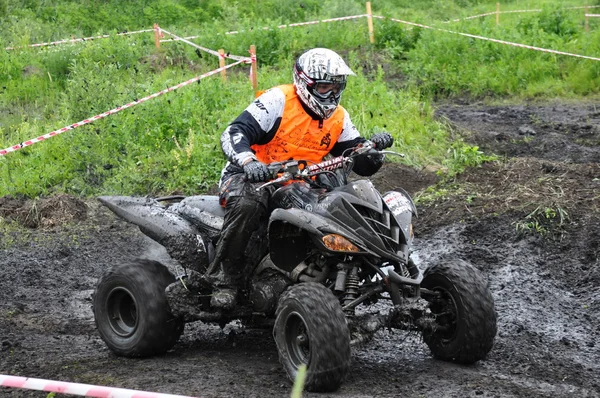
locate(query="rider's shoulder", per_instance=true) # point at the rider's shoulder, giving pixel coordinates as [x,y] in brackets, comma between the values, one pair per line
[274,95]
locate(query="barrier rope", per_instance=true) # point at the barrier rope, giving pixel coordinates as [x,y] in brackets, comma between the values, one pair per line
[213,52]
[281,27]
[490,13]
[513,12]
[176,38]
[115,110]
[86,390]
[489,39]
[78,39]
[235,32]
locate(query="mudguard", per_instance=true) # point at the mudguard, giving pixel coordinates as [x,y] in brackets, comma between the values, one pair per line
[152,218]
[403,209]
[204,212]
[183,241]
[290,229]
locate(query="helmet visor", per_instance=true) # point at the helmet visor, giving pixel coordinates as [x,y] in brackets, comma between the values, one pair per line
[324,89]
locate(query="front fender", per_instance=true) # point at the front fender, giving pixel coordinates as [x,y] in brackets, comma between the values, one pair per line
[291,230]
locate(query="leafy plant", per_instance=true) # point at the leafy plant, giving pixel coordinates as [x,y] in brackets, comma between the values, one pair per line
[462,156]
[544,221]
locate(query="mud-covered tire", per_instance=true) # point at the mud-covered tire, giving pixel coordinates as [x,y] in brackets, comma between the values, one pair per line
[465,313]
[131,310]
[311,329]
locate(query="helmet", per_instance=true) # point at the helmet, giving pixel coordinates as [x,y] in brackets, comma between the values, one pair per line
[320,78]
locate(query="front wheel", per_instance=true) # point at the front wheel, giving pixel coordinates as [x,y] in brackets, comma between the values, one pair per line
[311,329]
[131,310]
[464,313]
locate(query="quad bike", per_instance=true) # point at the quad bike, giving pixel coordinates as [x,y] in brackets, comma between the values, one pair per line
[333,246]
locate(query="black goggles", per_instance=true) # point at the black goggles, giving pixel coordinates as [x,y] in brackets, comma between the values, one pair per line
[326,88]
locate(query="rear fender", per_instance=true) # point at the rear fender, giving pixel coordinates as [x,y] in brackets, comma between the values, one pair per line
[182,240]
[204,212]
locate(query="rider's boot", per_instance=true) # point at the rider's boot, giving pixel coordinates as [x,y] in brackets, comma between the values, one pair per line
[226,284]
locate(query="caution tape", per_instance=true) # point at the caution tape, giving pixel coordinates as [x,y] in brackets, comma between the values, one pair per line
[513,12]
[213,52]
[490,13]
[492,40]
[76,40]
[86,390]
[285,26]
[322,21]
[235,32]
[115,110]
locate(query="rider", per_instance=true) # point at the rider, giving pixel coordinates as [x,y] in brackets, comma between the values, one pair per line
[299,121]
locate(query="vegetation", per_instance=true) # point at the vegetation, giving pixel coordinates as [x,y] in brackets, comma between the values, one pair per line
[171,143]
[544,221]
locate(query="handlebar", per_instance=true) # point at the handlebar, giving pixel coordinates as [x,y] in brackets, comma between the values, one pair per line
[301,170]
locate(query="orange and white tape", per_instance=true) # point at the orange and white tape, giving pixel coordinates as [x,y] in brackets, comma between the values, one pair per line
[492,40]
[288,26]
[235,32]
[115,110]
[86,390]
[213,52]
[512,12]
[490,13]
[75,40]
[322,21]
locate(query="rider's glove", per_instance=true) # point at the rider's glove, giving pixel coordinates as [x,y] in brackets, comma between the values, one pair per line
[256,171]
[382,140]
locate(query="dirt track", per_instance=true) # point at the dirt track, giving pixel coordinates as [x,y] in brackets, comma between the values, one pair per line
[546,284]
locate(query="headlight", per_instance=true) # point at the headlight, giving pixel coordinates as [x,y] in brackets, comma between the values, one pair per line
[338,243]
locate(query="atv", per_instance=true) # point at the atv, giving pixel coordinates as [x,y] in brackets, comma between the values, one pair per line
[335,247]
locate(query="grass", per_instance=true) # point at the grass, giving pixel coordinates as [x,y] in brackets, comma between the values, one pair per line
[171,143]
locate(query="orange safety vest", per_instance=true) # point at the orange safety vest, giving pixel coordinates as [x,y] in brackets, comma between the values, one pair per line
[299,136]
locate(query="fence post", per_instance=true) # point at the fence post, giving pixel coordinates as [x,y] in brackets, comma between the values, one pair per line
[370,22]
[253,68]
[222,64]
[497,14]
[587,24]
[156,35]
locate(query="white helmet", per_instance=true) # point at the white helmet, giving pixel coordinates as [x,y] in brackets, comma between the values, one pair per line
[320,78]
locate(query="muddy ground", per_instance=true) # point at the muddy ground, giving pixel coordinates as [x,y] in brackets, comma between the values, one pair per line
[529,222]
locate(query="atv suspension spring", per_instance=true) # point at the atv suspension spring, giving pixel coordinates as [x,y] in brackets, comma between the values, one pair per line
[351,292]
[404,271]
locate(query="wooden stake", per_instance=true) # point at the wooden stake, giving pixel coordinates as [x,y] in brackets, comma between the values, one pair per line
[253,68]
[222,64]
[497,13]
[156,35]
[370,22]
[587,23]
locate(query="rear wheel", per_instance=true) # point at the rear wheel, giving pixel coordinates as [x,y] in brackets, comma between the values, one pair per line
[464,312]
[311,329]
[131,311]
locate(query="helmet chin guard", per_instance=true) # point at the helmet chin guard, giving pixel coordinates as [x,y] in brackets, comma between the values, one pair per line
[320,78]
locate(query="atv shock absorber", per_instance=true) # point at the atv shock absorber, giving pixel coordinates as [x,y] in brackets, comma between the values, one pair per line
[351,291]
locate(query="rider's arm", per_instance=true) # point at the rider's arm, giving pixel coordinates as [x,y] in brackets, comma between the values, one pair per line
[257,124]
[363,165]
